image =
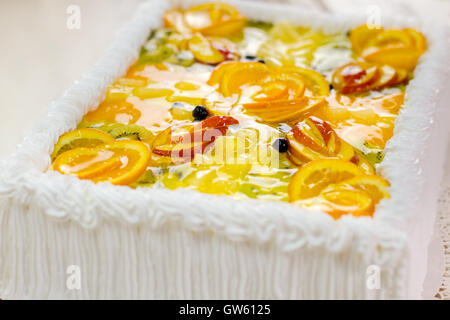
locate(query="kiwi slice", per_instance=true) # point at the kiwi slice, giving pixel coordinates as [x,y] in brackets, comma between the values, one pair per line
[183,58]
[131,131]
[266,26]
[159,54]
[250,190]
[373,154]
[106,127]
[147,179]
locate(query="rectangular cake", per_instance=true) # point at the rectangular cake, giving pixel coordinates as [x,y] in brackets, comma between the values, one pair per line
[235,150]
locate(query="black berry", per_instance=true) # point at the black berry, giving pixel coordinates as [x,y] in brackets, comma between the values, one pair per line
[261,61]
[331,86]
[250,57]
[282,145]
[200,113]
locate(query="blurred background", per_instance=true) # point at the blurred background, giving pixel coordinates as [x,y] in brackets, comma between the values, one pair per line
[41,56]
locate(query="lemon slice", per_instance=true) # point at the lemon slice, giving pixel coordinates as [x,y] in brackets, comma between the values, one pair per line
[80,138]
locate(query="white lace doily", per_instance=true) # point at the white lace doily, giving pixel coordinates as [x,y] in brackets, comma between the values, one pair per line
[444,227]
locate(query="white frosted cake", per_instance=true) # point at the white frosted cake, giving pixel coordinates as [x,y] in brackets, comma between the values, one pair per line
[106,200]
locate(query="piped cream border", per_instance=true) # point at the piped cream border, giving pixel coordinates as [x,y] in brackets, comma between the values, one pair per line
[25,179]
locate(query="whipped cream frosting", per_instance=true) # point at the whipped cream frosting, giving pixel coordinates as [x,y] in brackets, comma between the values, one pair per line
[158,243]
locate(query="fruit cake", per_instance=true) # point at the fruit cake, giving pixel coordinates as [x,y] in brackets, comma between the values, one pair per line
[219,151]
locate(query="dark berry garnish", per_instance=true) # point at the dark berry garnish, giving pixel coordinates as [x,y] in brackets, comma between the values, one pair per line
[331,86]
[261,61]
[200,113]
[281,145]
[250,57]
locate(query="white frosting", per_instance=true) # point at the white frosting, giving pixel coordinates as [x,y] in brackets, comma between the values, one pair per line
[157,243]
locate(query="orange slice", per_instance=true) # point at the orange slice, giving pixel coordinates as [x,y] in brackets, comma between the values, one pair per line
[80,138]
[175,19]
[397,38]
[203,51]
[225,28]
[360,35]
[419,41]
[375,186]
[313,177]
[339,202]
[315,83]
[242,73]
[397,57]
[120,162]
[217,19]
[283,110]
[219,71]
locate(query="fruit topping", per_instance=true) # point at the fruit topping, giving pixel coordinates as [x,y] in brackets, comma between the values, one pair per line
[396,48]
[211,19]
[120,162]
[200,113]
[281,145]
[80,138]
[314,139]
[283,110]
[337,187]
[132,132]
[178,144]
[203,51]
[357,76]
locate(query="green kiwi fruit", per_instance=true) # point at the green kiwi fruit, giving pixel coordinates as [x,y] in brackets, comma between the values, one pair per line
[147,179]
[266,26]
[131,131]
[106,127]
[373,154]
[183,58]
[160,53]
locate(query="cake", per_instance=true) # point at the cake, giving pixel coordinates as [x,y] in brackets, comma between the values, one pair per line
[233,151]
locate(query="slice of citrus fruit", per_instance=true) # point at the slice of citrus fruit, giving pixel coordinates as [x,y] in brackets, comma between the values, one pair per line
[339,202]
[360,35]
[283,110]
[216,19]
[120,162]
[315,83]
[80,138]
[242,73]
[397,38]
[355,77]
[219,71]
[175,19]
[419,41]
[225,28]
[203,51]
[375,186]
[313,177]
[397,57]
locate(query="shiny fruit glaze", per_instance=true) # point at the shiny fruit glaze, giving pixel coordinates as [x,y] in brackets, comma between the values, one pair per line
[331,99]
